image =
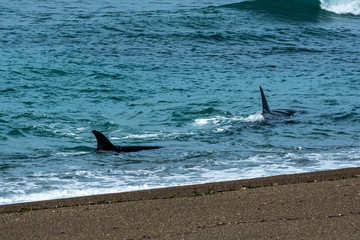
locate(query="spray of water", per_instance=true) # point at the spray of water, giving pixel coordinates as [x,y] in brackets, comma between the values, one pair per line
[341,6]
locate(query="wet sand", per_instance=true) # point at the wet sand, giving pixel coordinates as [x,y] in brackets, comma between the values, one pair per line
[317,205]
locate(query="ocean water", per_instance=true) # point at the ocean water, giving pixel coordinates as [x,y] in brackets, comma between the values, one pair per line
[184,75]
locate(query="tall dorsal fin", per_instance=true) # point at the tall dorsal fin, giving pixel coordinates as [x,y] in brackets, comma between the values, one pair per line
[265,106]
[103,144]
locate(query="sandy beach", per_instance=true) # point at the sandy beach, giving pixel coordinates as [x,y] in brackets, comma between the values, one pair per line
[317,205]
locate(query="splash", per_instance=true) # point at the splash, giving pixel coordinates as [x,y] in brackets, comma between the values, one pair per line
[213,120]
[257,117]
[341,6]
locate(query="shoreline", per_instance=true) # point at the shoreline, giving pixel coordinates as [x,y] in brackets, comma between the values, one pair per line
[314,205]
[184,191]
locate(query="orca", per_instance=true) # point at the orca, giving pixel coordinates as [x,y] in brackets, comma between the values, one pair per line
[104,144]
[276,113]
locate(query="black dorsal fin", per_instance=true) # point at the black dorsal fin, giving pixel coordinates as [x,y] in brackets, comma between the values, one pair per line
[265,106]
[103,144]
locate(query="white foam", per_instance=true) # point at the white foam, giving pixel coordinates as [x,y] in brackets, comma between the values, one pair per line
[44,185]
[202,121]
[140,136]
[257,117]
[67,193]
[65,154]
[341,6]
[223,129]
[205,121]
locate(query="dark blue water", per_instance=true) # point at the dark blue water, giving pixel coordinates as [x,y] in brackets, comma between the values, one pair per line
[180,74]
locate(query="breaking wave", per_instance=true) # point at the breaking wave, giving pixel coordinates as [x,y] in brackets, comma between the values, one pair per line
[341,6]
[302,7]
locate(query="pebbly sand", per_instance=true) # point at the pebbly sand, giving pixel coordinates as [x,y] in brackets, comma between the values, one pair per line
[317,205]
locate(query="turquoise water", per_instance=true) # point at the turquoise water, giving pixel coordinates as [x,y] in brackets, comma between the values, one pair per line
[184,75]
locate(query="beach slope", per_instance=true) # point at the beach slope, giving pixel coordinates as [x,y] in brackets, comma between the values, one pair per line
[318,205]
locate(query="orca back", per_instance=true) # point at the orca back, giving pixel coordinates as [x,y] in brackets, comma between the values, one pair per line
[276,113]
[104,144]
[134,148]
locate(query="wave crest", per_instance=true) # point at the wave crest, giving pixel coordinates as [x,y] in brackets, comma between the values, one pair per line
[301,8]
[341,6]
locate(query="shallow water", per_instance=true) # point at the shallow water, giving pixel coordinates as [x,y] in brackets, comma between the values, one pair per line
[180,74]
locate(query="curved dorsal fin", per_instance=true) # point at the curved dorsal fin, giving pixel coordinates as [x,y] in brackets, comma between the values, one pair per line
[103,144]
[265,106]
